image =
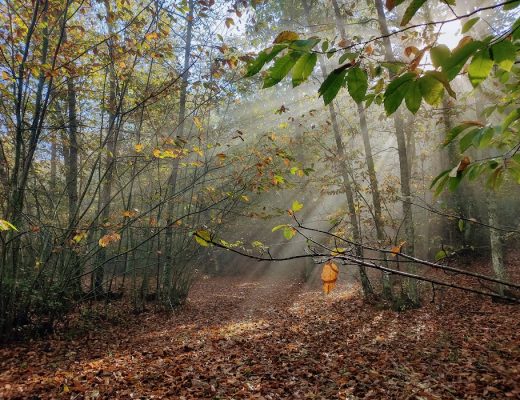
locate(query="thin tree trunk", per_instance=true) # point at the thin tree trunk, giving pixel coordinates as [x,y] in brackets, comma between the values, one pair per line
[344,170]
[111,142]
[54,160]
[496,237]
[172,180]
[403,161]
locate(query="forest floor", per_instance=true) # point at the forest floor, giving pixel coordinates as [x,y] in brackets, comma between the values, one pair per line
[269,338]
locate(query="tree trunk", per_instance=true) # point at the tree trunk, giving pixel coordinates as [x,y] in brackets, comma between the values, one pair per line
[403,162]
[374,187]
[496,237]
[344,170]
[172,180]
[111,145]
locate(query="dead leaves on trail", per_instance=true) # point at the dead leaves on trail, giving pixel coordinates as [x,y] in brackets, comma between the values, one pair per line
[275,338]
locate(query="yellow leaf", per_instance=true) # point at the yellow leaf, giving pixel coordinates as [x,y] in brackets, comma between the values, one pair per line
[138,147]
[245,198]
[198,123]
[329,276]
[129,213]
[79,236]
[296,206]
[6,225]
[157,153]
[286,36]
[338,251]
[229,22]
[202,237]
[169,154]
[151,36]
[221,156]
[5,76]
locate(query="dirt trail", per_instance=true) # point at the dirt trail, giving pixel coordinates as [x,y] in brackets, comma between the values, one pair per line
[276,339]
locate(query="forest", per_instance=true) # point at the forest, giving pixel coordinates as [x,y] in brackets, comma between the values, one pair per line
[259,199]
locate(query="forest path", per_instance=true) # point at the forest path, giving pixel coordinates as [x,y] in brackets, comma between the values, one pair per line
[269,338]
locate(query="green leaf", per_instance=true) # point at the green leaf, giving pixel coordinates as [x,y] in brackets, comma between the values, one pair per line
[440,181]
[439,177]
[480,67]
[347,56]
[411,11]
[394,67]
[441,77]
[511,6]
[504,54]
[440,55]
[461,225]
[324,45]
[495,179]
[454,182]
[511,117]
[467,140]
[396,91]
[263,58]
[278,227]
[413,97]
[281,68]
[357,84]
[458,58]
[303,68]
[469,24]
[440,255]
[289,232]
[485,137]
[431,89]
[296,206]
[458,130]
[304,45]
[516,30]
[331,85]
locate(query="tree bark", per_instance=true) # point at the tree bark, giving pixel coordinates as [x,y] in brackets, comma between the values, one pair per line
[344,170]
[404,168]
[173,179]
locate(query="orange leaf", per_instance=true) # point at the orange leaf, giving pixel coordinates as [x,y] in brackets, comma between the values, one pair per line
[109,238]
[129,213]
[397,249]
[329,276]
